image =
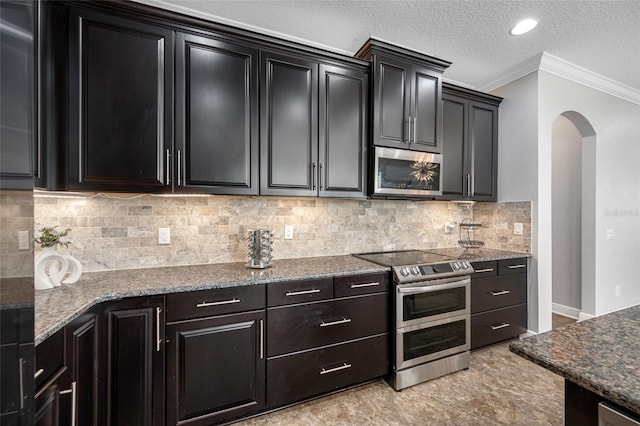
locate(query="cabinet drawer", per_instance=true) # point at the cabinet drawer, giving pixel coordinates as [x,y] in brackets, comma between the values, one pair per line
[498,325]
[49,358]
[219,301]
[299,291]
[360,284]
[300,376]
[485,269]
[295,328]
[498,292]
[512,266]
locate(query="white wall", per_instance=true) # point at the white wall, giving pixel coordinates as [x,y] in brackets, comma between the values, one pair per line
[517,173]
[617,175]
[566,201]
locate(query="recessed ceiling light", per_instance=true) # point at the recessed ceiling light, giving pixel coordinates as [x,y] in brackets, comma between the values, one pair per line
[523,26]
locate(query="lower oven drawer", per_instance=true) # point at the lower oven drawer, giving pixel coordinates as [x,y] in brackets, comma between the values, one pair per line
[303,375]
[498,325]
[304,326]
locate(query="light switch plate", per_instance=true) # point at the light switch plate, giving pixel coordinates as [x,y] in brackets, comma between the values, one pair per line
[23,240]
[517,228]
[164,235]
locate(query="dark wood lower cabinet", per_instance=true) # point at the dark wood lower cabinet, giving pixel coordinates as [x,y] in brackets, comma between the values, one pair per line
[133,362]
[303,375]
[216,368]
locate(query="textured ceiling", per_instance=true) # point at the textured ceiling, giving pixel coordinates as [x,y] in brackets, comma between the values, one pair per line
[601,36]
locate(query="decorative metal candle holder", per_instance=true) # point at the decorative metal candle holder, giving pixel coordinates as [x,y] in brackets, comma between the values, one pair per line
[259,248]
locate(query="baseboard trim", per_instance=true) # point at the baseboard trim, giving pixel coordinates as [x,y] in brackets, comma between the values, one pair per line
[584,316]
[566,311]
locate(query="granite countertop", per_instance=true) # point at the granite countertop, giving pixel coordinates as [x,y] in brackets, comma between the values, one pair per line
[477,255]
[600,355]
[55,308]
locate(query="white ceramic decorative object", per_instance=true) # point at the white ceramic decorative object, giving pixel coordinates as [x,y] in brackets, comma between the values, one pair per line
[53,268]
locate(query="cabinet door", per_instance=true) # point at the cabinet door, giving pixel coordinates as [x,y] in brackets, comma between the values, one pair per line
[342,132]
[391,100]
[454,148]
[134,362]
[82,337]
[216,116]
[53,403]
[120,103]
[216,369]
[483,127]
[289,126]
[426,110]
[17,95]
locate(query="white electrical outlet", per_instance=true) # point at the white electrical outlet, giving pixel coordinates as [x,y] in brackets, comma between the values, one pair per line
[610,234]
[618,291]
[517,228]
[23,240]
[288,232]
[164,235]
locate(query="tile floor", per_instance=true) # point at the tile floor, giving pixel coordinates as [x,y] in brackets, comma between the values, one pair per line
[499,388]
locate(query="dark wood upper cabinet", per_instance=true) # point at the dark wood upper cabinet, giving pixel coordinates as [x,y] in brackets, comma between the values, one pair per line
[120,103]
[470,146]
[216,116]
[407,97]
[133,362]
[289,125]
[342,143]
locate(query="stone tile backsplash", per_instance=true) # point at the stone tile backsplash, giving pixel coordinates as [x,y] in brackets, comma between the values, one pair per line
[122,233]
[16,214]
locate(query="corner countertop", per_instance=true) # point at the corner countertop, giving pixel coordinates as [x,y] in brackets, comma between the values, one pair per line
[599,354]
[57,307]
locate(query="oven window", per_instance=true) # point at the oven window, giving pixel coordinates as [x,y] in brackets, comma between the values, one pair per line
[405,174]
[431,340]
[429,304]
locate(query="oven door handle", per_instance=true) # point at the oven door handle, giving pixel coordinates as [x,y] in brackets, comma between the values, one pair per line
[430,288]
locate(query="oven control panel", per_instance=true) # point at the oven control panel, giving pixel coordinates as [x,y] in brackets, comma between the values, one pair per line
[411,273]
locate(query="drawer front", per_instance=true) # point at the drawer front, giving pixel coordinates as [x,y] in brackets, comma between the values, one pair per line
[300,376]
[360,284]
[299,291]
[512,266]
[485,269]
[219,301]
[296,328]
[498,292]
[49,358]
[499,325]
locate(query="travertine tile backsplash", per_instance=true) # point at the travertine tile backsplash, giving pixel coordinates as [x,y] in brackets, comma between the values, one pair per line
[122,233]
[16,214]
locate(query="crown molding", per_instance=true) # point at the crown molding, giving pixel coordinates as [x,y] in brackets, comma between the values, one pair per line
[565,69]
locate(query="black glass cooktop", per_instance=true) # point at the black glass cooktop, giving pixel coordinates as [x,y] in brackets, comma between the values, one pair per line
[401,258]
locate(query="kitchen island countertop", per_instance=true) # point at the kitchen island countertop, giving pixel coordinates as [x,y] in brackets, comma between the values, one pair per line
[599,354]
[56,307]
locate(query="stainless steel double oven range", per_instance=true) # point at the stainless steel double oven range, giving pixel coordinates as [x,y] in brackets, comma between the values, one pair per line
[431,315]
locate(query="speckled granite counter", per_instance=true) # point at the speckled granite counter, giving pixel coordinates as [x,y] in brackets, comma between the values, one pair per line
[477,255]
[57,307]
[600,355]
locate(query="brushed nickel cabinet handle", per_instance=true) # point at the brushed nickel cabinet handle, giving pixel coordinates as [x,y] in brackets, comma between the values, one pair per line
[313,176]
[298,293]
[167,179]
[498,327]
[373,284]
[344,366]
[321,176]
[74,404]
[516,266]
[261,339]
[408,134]
[415,129]
[158,337]
[483,270]
[223,302]
[342,321]
[39,372]
[21,365]
[500,293]
[179,174]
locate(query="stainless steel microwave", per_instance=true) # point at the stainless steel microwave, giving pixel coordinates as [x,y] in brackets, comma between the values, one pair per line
[402,173]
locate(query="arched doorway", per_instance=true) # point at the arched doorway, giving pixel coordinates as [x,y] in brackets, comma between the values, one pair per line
[573,215]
